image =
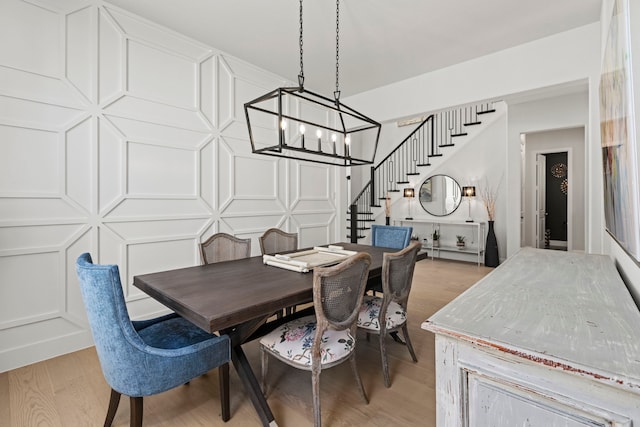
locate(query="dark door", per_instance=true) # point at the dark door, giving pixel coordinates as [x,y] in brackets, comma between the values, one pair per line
[556,200]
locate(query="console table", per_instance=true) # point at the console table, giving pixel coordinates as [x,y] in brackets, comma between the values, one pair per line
[448,231]
[547,339]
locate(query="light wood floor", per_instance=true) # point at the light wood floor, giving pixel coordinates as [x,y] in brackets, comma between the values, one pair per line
[70,390]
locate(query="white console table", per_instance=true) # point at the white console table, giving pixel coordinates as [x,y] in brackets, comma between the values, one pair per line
[547,339]
[448,231]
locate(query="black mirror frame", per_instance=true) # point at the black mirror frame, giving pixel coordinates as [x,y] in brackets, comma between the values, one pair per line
[421,200]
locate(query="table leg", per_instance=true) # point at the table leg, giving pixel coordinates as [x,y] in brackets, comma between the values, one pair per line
[252,386]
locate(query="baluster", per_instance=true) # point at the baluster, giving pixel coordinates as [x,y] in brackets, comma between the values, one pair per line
[381,187]
[415,153]
[450,126]
[403,163]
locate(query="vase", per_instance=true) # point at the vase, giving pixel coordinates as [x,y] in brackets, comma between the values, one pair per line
[491,258]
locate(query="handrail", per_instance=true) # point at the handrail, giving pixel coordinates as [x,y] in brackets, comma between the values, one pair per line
[436,131]
[430,118]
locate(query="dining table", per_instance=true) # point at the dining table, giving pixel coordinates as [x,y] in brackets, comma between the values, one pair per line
[239,298]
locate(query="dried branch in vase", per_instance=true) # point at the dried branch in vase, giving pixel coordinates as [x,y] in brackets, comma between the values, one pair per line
[489,196]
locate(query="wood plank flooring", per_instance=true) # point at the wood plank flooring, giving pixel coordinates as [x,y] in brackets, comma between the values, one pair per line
[70,390]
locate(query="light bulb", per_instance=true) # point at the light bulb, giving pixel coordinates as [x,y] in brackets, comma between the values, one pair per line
[334,137]
[302,129]
[283,124]
[318,133]
[347,145]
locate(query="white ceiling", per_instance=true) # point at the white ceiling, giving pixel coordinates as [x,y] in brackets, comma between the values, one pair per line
[381,41]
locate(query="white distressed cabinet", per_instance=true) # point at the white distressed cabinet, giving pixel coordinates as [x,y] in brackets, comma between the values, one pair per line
[547,339]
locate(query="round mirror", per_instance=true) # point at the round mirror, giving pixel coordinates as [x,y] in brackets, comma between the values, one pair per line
[440,195]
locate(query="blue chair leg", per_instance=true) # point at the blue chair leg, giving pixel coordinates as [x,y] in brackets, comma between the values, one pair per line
[136,411]
[113,407]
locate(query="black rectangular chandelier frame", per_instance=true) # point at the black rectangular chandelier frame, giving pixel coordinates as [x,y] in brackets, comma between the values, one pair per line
[345,156]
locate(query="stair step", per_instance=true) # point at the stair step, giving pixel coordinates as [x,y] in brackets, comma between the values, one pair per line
[365,218]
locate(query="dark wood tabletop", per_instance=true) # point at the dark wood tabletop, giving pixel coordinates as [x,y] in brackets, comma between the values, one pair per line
[236,298]
[218,296]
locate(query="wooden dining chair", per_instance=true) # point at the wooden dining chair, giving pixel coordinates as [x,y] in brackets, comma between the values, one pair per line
[388,314]
[388,236]
[224,247]
[275,240]
[314,343]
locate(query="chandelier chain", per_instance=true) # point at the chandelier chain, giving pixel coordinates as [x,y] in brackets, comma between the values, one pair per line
[301,75]
[336,94]
[292,110]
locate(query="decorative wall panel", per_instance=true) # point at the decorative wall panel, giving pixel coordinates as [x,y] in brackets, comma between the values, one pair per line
[127,140]
[36,297]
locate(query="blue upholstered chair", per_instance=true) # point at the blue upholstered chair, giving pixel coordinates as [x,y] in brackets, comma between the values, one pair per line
[388,314]
[390,236]
[142,358]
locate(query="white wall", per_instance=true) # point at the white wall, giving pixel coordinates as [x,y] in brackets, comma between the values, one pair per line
[126,140]
[480,162]
[555,61]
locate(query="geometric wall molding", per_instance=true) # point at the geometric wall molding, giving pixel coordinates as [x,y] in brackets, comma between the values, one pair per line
[127,140]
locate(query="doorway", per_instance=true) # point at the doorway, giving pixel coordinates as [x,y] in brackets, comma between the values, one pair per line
[551,198]
[553,189]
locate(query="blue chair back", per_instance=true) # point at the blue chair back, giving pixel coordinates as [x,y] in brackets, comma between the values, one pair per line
[390,236]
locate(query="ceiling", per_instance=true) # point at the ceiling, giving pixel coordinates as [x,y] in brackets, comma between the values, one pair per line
[381,41]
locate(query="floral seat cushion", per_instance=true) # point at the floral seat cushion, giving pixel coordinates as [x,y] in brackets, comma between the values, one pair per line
[292,342]
[370,311]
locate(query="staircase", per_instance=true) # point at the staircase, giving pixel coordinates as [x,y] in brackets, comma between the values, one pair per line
[433,136]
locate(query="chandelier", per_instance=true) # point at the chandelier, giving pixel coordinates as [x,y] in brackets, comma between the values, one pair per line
[295,123]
